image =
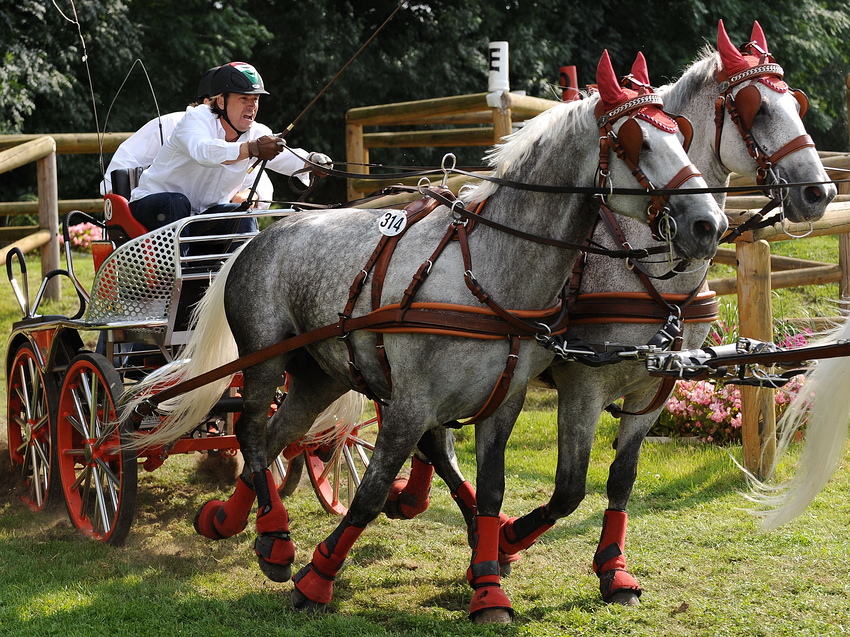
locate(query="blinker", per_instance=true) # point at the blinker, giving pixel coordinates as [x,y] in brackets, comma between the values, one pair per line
[630,137]
[748,103]
[686,129]
[802,100]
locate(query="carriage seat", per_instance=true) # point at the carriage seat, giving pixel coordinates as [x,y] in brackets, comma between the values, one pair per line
[121,225]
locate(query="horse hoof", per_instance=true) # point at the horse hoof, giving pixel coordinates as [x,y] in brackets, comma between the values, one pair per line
[624,598]
[275,572]
[492,616]
[304,604]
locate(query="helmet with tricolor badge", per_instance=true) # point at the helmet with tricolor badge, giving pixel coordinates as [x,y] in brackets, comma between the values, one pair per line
[237,77]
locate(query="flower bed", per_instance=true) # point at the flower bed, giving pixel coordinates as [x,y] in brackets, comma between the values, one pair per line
[82,235]
[711,411]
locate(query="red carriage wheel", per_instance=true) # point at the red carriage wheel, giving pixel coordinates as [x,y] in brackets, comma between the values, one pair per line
[32,397]
[287,473]
[335,469]
[98,475]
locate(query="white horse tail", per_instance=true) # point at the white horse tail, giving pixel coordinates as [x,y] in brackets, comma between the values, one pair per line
[211,345]
[338,420]
[823,407]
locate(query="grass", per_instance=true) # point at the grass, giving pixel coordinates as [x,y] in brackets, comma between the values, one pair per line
[706,567]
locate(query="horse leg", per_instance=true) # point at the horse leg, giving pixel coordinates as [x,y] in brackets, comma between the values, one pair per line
[489,602]
[216,519]
[310,392]
[616,584]
[575,438]
[412,495]
[438,445]
[399,434]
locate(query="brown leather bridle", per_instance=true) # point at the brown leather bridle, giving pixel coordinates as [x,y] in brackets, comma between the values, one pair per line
[626,143]
[744,106]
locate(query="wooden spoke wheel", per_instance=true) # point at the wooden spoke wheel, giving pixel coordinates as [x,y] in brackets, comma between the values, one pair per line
[32,397]
[336,468]
[98,475]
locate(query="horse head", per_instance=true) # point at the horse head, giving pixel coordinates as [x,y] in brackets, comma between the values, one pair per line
[648,142]
[768,117]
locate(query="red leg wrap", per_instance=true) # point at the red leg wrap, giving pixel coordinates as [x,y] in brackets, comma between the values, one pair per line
[217,520]
[330,554]
[273,543]
[411,496]
[316,580]
[484,567]
[517,534]
[465,499]
[483,573]
[609,563]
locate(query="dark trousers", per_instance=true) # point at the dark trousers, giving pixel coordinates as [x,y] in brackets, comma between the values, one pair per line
[162,208]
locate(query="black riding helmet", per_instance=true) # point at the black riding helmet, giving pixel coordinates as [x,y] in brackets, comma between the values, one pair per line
[235,77]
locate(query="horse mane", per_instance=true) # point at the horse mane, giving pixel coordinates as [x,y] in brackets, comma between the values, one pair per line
[693,79]
[564,121]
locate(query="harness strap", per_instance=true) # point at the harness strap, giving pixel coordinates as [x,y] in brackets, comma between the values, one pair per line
[416,211]
[502,386]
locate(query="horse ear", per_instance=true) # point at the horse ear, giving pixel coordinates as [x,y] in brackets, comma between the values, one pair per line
[730,57]
[758,36]
[639,70]
[610,91]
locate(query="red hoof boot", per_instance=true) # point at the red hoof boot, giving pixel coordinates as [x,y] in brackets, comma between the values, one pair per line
[314,586]
[218,520]
[506,563]
[490,605]
[616,584]
[619,587]
[203,521]
[410,496]
[275,554]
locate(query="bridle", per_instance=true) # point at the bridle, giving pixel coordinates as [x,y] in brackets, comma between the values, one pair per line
[743,107]
[626,143]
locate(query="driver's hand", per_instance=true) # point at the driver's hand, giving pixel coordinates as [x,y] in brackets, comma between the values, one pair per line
[323,161]
[266,147]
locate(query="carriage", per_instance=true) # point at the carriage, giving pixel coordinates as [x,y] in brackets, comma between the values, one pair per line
[63,391]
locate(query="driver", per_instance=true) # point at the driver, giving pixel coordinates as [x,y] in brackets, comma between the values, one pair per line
[138,151]
[205,161]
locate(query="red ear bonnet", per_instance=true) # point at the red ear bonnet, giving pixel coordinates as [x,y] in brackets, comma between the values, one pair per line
[613,94]
[752,55]
[639,70]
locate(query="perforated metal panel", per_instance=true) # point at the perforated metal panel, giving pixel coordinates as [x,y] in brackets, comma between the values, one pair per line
[136,283]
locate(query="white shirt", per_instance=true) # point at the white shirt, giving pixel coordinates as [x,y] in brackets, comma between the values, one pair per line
[141,147]
[190,162]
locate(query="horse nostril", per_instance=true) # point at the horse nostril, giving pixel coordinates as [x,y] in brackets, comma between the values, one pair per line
[813,194]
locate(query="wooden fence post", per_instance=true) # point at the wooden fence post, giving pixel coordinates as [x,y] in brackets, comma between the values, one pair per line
[48,219]
[755,320]
[357,156]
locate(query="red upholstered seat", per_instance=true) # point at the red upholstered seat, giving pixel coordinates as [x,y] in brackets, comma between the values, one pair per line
[121,225]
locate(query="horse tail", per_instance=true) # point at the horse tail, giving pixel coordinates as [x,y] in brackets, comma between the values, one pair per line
[211,345]
[822,406]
